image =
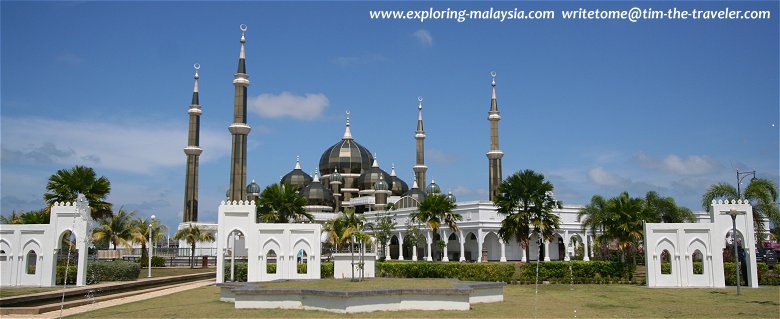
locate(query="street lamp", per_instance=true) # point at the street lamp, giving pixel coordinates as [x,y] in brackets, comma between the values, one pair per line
[734,213]
[149,265]
[740,177]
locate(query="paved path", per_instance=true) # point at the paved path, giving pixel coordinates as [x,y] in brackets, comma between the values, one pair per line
[118,301]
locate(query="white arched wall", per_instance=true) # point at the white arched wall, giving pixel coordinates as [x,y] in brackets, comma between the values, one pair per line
[491,242]
[260,238]
[18,240]
[666,280]
[697,280]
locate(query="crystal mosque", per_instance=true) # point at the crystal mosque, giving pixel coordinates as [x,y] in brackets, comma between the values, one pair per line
[349,175]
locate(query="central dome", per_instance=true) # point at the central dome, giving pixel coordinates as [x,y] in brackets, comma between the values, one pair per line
[347,156]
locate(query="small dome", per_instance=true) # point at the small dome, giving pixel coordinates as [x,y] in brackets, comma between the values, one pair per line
[316,194]
[297,177]
[253,188]
[336,176]
[381,185]
[416,193]
[451,197]
[397,186]
[433,188]
[371,176]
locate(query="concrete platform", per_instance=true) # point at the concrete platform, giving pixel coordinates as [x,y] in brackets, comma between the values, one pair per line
[460,297]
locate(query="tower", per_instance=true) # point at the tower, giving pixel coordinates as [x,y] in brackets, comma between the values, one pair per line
[192,151]
[495,154]
[239,129]
[420,168]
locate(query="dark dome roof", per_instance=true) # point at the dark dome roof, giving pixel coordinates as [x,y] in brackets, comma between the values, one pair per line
[417,194]
[381,185]
[371,176]
[316,194]
[253,188]
[398,186]
[297,177]
[451,197]
[433,188]
[336,176]
[346,155]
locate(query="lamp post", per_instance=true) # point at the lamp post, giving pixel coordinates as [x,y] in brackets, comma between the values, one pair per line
[740,177]
[149,265]
[734,213]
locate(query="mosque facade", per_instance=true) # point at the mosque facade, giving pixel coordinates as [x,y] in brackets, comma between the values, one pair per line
[349,175]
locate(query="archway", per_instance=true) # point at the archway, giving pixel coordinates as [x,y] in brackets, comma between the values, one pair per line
[491,248]
[302,262]
[576,244]
[67,256]
[394,248]
[453,247]
[471,247]
[31,273]
[535,251]
[236,253]
[6,264]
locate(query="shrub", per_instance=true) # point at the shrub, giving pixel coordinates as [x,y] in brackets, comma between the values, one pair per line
[157,261]
[765,275]
[581,272]
[326,270]
[101,271]
[463,271]
[240,274]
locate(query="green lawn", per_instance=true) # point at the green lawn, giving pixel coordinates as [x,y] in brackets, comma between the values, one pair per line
[553,301]
[13,291]
[173,271]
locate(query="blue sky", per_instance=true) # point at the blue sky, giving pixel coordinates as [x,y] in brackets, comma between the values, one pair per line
[597,106]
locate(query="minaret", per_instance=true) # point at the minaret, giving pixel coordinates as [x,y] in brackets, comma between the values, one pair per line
[239,129]
[192,151]
[420,168]
[495,154]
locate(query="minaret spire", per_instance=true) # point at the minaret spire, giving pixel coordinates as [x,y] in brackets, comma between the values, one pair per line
[347,132]
[192,151]
[239,128]
[495,154]
[419,167]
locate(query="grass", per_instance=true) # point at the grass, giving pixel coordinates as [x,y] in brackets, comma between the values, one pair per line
[372,283]
[173,271]
[553,301]
[18,291]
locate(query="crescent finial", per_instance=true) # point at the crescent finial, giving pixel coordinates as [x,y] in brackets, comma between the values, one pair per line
[243,27]
[493,73]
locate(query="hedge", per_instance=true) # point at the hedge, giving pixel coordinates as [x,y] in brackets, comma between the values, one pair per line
[463,271]
[582,272]
[157,261]
[240,275]
[100,271]
[766,276]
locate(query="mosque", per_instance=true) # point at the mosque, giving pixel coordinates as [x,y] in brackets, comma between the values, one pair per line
[350,176]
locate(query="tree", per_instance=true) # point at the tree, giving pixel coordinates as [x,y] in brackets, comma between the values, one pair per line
[139,233]
[115,228]
[66,184]
[665,210]
[12,219]
[526,198]
[383,231]
[413,236]
[192,234]
[595,215]
[625,223]
[762,195]
[435,210]
[282,204]
[29,217]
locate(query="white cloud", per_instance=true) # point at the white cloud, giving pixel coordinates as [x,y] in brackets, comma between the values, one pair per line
[307,107]
[694,165]
[360,59]
[601,177]
[468,192]
[137,146]
[424,37]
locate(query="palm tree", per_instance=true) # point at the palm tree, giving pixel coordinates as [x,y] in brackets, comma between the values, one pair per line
[29,217]
[626,222]
[282,204]
[526,198]
[762,194]
[595,215]
[115,228]
[435,210]
[665,210]
[347,225]
[66,184]
[14,218]
[139,233]
[192,235]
